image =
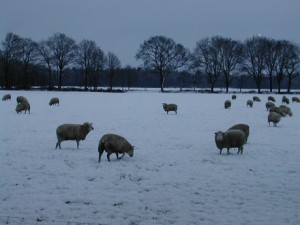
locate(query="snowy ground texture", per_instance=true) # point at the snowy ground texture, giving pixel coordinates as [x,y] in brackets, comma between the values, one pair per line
[176,175]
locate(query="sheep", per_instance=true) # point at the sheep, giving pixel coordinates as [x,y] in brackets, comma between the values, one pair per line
[233,97]
[227,104]
[285,100]
[113,143]
[271,98]
[6,97]
[23,106]
[274,117]
[75,132]
[21,99]
[170,107]
[277,110]
[269,105]
[295,99]
[285,109]
[54,101]
[230,139]
[243,127]
[250,103]
[256,99]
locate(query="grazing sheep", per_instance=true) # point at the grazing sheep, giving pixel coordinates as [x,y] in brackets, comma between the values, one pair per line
[285,100]
[23,106]
[113,143]
[75,132]
[54,101]
[271,98]
[285,109]
[277,110]
[274,117]
[233,97]
[295,99]
[227,104]
[256,99]
[230,139]
[170,107]
[269,105]
[6,97]
[250,103]
[243,127]
[21,99]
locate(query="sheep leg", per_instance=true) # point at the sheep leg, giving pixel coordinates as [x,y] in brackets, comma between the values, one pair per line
[122,156]
[77,143]
[227,151]
[58,145]
[108,155]
[220,151]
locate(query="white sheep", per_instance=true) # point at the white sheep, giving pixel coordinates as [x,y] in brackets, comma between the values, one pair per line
[269,105]
[21,99]
[243,127]
[295,99]
[75,132]
[170,107]
[6,97]
[256,99]
[113,143]
[285,109]
[285,100]
[54,101]
[227,104]
[249,103]
[230,139]
[271,98]
[274,117]
[23,106]
[277,110]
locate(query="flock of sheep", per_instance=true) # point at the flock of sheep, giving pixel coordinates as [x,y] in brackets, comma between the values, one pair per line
[235,137]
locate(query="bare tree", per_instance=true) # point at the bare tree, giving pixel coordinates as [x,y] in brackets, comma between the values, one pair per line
[63,49]
[254,51]
[292,68]
[113,64]
[230,53]
[98,63]
[10,54]
[207,58]
[47,58]
[86,49]
[28,55]
[162,55]
[271,60]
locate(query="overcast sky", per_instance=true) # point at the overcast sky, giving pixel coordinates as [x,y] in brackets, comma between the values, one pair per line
[120,26]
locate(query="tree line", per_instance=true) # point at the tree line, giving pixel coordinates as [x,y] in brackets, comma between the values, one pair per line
[59,61]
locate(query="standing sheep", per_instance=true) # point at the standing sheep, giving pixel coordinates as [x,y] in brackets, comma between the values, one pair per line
[243,127]
[250,103]
[271,98]
[227,104]
[295,99]
[23,106]
[54,101]
[21,99]
[233,97]
[269,105]
[113,143]
[285,100]
[256,99]
[277,110]
[6,97]
[75,132]
[285,109]
[274,118]
[230,139]
[170,107]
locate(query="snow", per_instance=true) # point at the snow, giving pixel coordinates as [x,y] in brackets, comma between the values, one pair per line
[176,175]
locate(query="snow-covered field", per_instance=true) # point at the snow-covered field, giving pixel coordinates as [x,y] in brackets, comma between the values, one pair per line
[176,175]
